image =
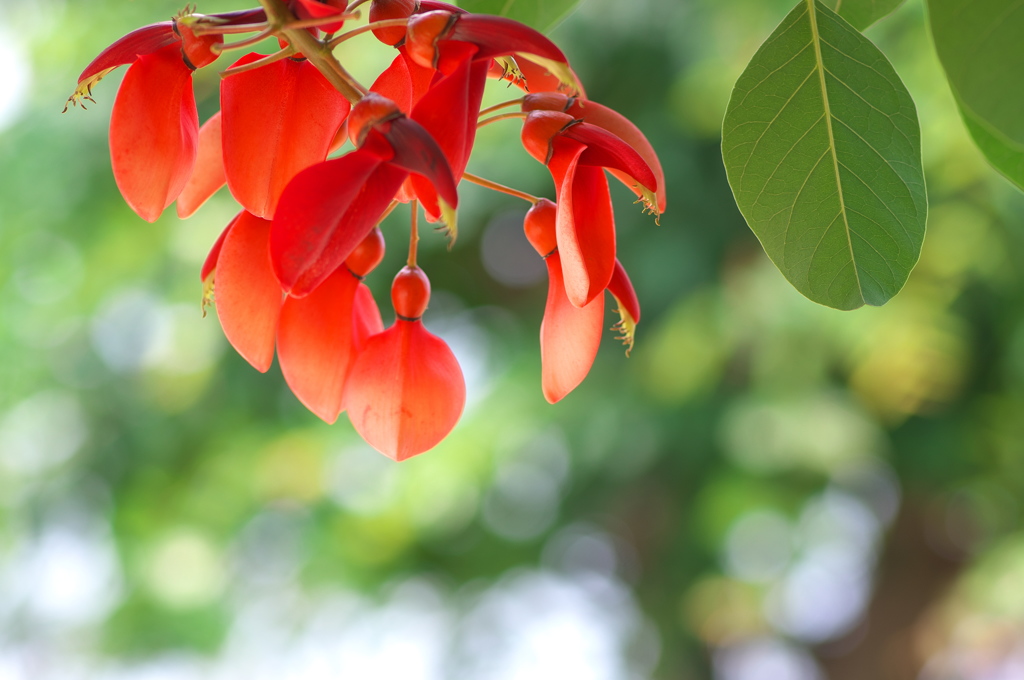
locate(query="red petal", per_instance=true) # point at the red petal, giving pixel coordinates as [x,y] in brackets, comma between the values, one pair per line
[417,152]
[154,130]
[314,9]
[585,226]
[210,263]
[406,391]
[498,36]
[325,212]
[241,16]
[247,293]
[622,288]
[315,343]
[449,112]
[606,150]
[208,172]
[404,82]
[278,120]
[569,336]
[610,120]
[129,48]
[433,5]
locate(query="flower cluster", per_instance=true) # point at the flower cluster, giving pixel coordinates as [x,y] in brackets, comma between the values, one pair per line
[288,269]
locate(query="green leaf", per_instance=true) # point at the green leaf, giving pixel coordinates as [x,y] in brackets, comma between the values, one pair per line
[823,152]
[862,13]
[1004,154]
[540,14]
[981,46]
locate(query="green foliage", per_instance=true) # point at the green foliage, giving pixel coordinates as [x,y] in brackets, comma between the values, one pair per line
[540,14]
[1005,155]
[979,45]
[862,13]
[822,149]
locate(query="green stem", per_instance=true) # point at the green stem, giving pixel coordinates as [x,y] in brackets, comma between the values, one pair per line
[312,49]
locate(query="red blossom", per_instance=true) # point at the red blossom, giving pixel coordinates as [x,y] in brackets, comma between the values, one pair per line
[405,392]
[286,273]
[570,335]
[576,152]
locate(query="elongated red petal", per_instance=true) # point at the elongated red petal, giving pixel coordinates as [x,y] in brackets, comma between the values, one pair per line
[449,112]
[607,150]
[208,171]
[433,5]
[315,343]
[247,293]
[405,392]
[621,289]
[585,226]
[569,336]
[210,263]
[128,48]
[325,213]
[607,119]
[241,16]
[498,36]
[417,152]
[278,120]
[154,130]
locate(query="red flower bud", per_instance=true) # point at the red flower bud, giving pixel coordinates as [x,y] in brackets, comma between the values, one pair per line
[410,293]
[382,10]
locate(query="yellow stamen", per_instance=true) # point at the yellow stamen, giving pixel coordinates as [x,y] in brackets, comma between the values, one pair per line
[450,219]
[84,90]
[650,201]
[208,291]
[626,326]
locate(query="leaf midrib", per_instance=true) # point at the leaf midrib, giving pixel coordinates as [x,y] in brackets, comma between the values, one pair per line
[812,13]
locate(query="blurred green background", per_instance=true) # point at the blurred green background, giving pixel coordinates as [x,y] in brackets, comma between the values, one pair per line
[766,489]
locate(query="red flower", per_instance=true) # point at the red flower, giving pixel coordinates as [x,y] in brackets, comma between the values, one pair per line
[570,335]
[576,154]
[288,269]
[154,125]
[405,392]
[330,207]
